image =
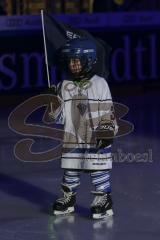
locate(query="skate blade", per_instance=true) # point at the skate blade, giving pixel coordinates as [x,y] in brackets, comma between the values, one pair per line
[69,210]
[99,215]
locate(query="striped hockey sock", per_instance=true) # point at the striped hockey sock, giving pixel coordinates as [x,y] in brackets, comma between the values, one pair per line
[71,179]
[101,180]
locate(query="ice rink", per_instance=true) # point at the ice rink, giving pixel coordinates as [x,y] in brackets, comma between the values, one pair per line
[27,190]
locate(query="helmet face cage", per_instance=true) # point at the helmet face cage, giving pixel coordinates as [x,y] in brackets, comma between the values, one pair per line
[82,49]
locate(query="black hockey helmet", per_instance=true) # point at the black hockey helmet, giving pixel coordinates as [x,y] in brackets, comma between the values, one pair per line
[82,49]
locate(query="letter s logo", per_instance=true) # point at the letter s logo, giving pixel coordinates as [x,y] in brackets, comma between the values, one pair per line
[18,123]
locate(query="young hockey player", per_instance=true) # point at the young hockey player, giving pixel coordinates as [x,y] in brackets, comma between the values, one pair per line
[89,124]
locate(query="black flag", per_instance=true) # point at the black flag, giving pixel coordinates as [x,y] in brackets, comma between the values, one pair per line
[57,34]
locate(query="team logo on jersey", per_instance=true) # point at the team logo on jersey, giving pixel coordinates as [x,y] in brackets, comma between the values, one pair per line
[82,108]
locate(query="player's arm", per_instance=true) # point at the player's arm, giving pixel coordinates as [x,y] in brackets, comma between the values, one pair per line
[54,110]
[107,127]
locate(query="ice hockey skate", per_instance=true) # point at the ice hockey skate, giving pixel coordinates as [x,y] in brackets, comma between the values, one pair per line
[65,204]
[101,206]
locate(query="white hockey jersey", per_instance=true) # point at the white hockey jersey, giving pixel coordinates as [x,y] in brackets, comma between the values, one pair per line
[83,109]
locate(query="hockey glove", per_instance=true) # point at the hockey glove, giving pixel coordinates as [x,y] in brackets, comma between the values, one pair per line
[105,134]
[54,106]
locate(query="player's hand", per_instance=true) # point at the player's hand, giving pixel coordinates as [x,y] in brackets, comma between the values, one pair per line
[105,134]
[51,115]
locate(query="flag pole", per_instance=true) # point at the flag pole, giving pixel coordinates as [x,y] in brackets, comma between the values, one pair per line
[46,57]
[45,49]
